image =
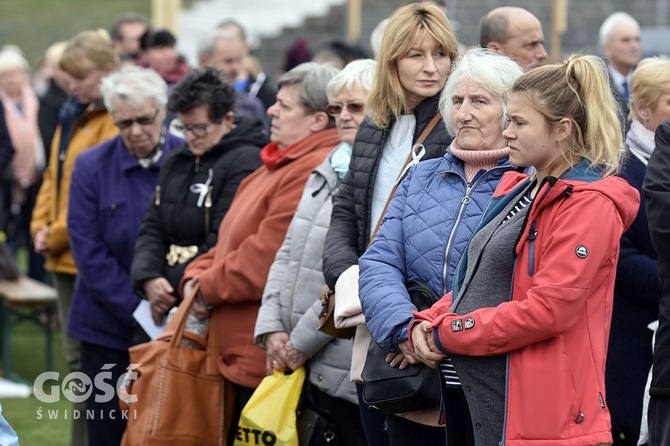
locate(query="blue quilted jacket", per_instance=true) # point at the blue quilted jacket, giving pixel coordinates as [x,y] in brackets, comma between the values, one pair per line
[424,233]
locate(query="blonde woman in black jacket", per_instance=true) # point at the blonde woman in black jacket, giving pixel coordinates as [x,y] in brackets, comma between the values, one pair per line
[412,67]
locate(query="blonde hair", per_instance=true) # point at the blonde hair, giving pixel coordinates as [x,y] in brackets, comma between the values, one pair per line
[650,80]
[87,50]
[579,90]
[54,54]
[406,25]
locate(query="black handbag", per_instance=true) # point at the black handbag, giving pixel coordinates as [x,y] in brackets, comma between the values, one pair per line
[392,390]
[314,424]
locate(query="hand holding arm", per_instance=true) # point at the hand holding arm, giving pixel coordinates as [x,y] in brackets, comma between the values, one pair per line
[404,358]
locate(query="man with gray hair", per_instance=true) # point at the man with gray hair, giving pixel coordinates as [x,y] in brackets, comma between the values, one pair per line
[256,84]
[515,33]
[620,43]
[224,52]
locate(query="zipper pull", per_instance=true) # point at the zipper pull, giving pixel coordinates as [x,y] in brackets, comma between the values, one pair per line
[466,197]
[532,232]
[157,198]
[208,197]
[531,249]
[197,164]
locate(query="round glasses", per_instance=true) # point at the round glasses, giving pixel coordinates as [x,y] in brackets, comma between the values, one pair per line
[198,130]
[352,107]
[142,120]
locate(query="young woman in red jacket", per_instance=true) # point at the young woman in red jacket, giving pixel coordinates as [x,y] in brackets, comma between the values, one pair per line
[527,322]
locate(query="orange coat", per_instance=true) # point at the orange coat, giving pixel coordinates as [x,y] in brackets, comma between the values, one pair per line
[233,273]
[90,129]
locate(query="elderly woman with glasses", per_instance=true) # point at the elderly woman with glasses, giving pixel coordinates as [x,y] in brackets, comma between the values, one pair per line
[196,185]
[110,190]
[290,336]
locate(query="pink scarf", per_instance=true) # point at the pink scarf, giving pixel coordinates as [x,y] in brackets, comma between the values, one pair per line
[25,137]
[474,160]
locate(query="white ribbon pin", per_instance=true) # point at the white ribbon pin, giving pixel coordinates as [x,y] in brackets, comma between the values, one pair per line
[202,188]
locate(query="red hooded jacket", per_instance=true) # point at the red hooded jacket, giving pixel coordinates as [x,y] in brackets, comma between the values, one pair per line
[556,324]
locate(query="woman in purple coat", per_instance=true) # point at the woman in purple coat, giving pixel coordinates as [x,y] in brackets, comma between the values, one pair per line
[111,187]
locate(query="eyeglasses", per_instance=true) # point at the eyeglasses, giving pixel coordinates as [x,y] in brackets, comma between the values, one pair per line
[142,120]
[352,107]
[198,130]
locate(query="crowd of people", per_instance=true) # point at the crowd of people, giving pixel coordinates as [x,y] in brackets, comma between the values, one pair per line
[530,194]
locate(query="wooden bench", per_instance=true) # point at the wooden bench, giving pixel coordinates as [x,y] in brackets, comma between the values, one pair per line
[25,293]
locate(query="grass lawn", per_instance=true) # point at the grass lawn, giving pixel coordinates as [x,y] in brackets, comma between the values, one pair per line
[33,25]
[27,347]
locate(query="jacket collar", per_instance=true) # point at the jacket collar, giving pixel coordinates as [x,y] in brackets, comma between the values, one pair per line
[327,137]
[128,162]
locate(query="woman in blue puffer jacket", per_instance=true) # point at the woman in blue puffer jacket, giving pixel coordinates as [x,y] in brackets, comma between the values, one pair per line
[438,205]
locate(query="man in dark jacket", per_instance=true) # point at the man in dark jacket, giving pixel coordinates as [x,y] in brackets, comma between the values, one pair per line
[620,43]
[255,85]
[657,195]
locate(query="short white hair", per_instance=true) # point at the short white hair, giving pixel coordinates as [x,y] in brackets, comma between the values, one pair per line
[134,85]
[613,20]
[10,60]
[357,73]
[490,70]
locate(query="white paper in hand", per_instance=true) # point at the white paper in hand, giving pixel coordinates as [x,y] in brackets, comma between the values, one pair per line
[142,315]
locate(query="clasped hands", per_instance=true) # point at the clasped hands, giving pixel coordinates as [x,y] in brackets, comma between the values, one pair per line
[281,354]
[425,351]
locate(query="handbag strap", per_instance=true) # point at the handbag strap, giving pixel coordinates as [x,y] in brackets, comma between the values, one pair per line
[178,322]
[410,159]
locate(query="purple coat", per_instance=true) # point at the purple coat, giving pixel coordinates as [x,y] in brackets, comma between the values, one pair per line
[109,195]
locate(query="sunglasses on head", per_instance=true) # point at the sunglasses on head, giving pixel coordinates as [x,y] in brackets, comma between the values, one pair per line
[352,107]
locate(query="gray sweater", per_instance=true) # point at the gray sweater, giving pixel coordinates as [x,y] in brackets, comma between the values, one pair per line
[487,283]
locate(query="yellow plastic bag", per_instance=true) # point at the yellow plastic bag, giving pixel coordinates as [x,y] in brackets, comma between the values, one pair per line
[269,418]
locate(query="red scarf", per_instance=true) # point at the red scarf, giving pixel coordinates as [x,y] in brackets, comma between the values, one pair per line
[271,153]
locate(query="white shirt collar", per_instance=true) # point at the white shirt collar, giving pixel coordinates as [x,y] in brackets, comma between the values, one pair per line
[620,78]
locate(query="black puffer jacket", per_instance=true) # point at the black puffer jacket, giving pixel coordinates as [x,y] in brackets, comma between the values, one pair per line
[187,210]
[348,235]
[655,190]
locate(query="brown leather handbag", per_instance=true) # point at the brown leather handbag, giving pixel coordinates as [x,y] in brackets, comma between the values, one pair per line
[326,322]
[176,396]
